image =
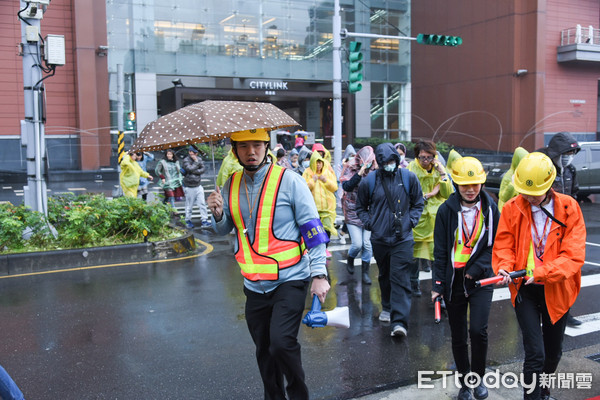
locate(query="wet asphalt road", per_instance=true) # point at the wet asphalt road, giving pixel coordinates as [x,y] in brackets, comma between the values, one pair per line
[176,330]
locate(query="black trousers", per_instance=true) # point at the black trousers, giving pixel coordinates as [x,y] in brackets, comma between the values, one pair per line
[478,305]
[273,321]
[394,264]
[542,340]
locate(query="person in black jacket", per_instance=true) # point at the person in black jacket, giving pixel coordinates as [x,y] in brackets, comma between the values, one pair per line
[561,149]
[194,192]
[465,227]
[390,209]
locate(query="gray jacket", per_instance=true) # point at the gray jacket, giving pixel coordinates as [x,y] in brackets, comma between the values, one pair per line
[193,171]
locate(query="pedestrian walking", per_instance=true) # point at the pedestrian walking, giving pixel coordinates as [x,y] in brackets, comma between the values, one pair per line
[171,179]
[401,149]
[465,227]
[142,159]
[194,192]
[130,174]
[561,149]
[304,155]
[543,232]
[281,251]
[436,189]
[293,159]
[507,189]
[389,204]
[352,174]
[229,166]
[322,183]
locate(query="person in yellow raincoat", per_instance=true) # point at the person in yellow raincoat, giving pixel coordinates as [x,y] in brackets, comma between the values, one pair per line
[322,183]
[436,189]
[229,166]
[453,156]
[129,177]
[507,190]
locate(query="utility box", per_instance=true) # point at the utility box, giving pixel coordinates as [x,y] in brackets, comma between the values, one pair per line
[54,50]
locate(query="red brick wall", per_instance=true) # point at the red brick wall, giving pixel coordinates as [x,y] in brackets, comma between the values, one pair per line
[61,104]
[566,81]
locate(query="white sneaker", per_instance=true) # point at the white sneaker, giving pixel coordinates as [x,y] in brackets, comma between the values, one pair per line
[342,239]
[384,316]
[399,331]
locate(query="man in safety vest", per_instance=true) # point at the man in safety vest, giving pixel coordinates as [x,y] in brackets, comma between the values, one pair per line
[280,249]
[465,226]
[543,232]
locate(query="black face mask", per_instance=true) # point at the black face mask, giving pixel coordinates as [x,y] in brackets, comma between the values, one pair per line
[251,168]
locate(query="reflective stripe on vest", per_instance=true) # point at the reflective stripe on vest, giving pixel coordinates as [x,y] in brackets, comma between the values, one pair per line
[262,259]
[532,261]
[462,252]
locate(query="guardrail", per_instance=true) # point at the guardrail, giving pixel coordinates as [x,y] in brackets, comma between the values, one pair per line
[580,34]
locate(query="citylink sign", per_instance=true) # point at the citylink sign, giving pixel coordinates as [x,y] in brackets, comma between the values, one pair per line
[268,85]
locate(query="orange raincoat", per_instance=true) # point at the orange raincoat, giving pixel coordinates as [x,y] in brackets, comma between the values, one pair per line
[564,253]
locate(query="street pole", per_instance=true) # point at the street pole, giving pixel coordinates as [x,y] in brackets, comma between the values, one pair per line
[32,132]
[337,85]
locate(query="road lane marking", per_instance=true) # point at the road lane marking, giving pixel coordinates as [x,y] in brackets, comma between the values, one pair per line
[589,323]
[592,244]
[209,248]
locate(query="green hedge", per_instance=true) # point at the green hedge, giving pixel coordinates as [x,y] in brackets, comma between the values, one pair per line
[442,147]
[87,220]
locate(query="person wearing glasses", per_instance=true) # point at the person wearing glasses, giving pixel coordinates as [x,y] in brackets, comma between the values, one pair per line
[436,189]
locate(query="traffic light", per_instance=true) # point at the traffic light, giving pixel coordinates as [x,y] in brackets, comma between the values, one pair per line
[439,40]
[355,67]
[130,124]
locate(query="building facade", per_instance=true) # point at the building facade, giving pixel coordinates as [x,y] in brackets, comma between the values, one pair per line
[178,52]
[525,71]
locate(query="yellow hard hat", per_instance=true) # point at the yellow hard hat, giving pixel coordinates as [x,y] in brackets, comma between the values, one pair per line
[535,174]
[467,171]
[260,134]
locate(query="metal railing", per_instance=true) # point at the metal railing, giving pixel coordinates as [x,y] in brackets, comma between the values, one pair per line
[580,34]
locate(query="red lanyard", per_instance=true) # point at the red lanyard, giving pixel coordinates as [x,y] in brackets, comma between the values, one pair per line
[468,235]
[538,239]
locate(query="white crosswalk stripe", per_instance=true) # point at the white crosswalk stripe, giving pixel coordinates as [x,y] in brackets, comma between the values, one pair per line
[589,323]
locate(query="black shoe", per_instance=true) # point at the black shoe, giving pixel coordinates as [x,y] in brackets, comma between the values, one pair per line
[545,394]
[480,392]
[365,272]
[416,289]
[572,321]
[350,265]
[464,394]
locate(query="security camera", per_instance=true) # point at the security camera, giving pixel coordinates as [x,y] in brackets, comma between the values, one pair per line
[521,72]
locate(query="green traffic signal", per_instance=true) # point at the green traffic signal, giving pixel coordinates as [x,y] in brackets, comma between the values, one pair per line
[355,67]
[130,124]
[439,40]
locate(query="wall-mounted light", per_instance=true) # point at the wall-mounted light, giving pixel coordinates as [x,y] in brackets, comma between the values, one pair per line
[102,51]
[177,82]
[521,72]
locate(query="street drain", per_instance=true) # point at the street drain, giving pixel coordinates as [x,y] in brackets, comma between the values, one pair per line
[594,357]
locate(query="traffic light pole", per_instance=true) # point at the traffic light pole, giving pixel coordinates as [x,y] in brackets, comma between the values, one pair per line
[337,85]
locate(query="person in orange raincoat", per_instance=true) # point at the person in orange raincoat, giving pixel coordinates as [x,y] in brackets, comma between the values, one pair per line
[543,232]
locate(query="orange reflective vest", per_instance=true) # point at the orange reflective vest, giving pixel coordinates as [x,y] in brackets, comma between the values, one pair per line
[463,248]
[266,255]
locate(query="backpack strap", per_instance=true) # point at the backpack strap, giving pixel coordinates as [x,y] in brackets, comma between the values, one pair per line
[371,178]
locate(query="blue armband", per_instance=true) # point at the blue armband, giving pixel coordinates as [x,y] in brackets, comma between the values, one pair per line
[313,233]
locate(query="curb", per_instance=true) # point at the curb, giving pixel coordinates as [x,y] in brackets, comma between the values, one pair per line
[24,263]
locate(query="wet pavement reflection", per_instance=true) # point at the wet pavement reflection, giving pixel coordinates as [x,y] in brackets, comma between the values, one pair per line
[176,330]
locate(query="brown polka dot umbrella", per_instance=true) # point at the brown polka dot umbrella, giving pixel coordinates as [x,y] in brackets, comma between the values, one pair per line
[209,120]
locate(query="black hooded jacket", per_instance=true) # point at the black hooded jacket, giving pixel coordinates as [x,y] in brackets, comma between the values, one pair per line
[566,178]
[373,208]
[479,265]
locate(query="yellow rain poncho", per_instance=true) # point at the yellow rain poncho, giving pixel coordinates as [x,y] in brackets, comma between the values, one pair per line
[323,192]
[130,176]
[507,190]
[423,232]
[452,157]
[229,166]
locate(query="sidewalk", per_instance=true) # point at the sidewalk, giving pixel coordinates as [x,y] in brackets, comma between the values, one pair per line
[574,361]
